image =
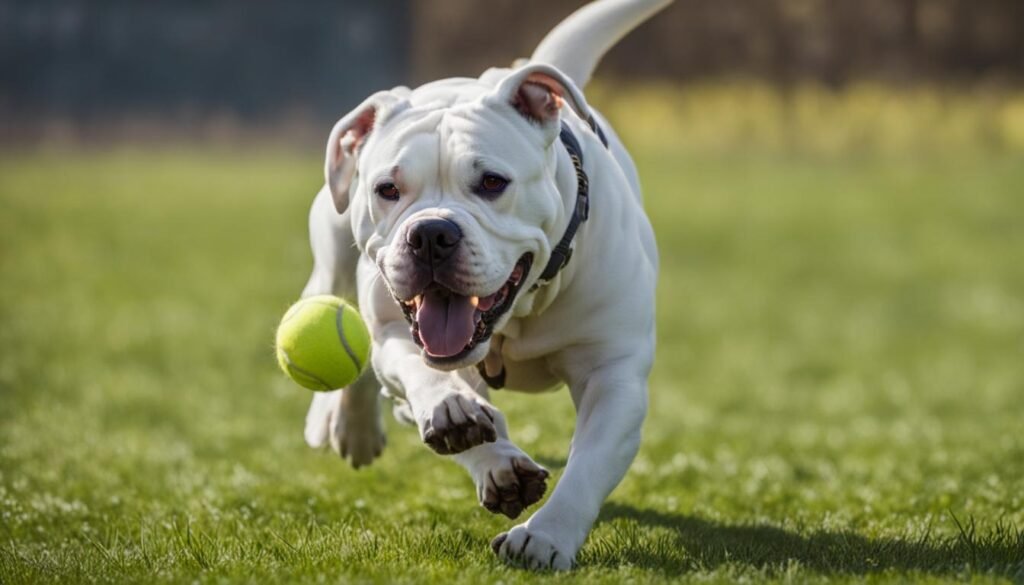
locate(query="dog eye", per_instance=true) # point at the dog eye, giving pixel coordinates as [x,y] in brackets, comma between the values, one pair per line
[387,191]
[491,184]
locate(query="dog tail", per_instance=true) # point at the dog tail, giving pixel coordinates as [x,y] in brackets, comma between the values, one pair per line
[577,44]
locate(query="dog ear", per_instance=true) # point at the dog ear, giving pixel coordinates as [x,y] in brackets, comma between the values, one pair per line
[537,91]
[348,136]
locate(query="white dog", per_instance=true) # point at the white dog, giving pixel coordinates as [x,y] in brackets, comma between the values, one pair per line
[457,214]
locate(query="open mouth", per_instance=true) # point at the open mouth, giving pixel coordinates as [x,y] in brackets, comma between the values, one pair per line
[448,325]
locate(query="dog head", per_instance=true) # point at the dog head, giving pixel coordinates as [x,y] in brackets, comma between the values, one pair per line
[453,192]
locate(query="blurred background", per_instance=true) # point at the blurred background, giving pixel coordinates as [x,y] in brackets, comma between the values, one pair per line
[74,69]
[837,189]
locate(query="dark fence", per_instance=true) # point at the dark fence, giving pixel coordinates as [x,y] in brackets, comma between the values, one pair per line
[86,58]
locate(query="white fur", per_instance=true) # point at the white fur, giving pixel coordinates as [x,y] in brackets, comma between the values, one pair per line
[592,327]
[576,45]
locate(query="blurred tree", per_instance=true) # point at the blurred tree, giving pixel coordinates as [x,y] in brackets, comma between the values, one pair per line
[833,41]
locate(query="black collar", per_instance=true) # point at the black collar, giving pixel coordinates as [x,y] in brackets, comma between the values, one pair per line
[562,252]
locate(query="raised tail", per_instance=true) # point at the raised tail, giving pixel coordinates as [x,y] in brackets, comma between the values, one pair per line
[577,44]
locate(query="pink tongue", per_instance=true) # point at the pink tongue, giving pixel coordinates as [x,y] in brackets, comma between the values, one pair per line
[446,323]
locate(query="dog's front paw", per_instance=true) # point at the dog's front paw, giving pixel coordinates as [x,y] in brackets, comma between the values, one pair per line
[508,481]
[532,549]
[456,423]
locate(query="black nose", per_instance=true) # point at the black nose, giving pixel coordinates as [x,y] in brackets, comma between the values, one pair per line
[433,240]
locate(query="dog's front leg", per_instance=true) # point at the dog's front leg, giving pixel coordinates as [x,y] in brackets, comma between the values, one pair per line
[450,415]
[610,407]
[455,418]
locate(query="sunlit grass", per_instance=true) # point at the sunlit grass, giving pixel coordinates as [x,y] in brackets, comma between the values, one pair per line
[837,393]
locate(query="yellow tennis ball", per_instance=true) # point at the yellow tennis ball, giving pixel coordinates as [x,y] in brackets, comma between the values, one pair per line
[322,343]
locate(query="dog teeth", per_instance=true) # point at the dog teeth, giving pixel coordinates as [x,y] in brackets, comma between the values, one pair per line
[475,300]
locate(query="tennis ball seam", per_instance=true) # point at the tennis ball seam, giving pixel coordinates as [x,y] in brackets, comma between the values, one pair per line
[340,326]
[304,372]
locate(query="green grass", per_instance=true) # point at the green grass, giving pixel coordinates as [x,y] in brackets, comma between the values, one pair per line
[838,393]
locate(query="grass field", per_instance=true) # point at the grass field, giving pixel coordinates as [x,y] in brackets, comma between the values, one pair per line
[838,393]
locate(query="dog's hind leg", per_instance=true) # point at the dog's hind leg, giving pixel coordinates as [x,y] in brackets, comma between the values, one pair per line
[348,419]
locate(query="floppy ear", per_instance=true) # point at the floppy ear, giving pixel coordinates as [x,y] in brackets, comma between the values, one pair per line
[537,92]
[346,138]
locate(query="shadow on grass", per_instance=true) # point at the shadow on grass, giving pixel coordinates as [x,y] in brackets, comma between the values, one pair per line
[694,544]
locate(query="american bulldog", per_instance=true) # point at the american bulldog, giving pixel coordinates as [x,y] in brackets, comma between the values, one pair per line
[493,232]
